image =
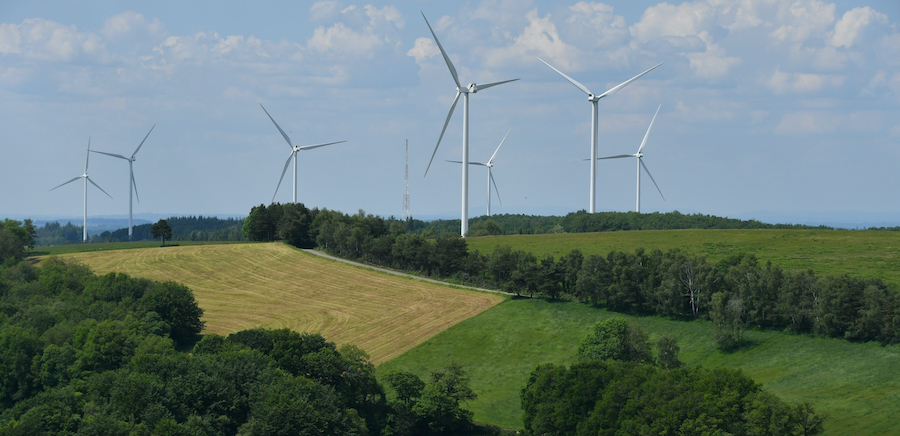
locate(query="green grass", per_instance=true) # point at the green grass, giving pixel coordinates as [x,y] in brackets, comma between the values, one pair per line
[48,250]
[874,254]
[856,385]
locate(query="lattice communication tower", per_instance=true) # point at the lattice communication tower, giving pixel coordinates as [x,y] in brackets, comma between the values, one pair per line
[407,215]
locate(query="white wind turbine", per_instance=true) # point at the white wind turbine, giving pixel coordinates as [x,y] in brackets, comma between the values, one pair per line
[640,155]
[86,179]
[471,89]
[489,165]
[594,98]
[293,155]
[131,183]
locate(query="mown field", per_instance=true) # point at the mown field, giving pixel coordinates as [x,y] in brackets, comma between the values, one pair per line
[856,385]
[858,253]
[241,286]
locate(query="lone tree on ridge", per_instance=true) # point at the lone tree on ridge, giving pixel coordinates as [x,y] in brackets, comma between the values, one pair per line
[163,230]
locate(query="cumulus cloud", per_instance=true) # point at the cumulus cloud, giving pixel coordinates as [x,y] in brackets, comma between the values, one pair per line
[596,24]
[782,82]
[848,28]
[665,20]
[343,39]
[127,22]
[423,49]
[41,39]
[322,10]
[688,27]
[541,39]
[387,14]
[804,19]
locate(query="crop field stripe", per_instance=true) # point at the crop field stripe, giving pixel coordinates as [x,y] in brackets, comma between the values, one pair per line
[242,286]
[860,253]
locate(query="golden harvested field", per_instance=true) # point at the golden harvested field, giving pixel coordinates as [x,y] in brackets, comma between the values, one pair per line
[241,286]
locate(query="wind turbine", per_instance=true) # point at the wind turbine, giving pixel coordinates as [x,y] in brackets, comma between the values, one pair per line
[86,179]
[489,165]
[293,155]
[471,89]
[594,98]
[639,155]
[131,183]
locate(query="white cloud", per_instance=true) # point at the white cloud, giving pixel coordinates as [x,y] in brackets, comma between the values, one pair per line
[41,39]
[127,22]
[848,28]
[804,19]
[595,24]
[423,49]
[808,122]
[322,9]
[782,82]
[540,38]
[684,20]
[387,14]
[713,62]
[10,38]
[342,39]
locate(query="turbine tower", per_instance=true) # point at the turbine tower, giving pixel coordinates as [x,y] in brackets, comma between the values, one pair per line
[406,214]
[86,180]
[594,98]
[640,163]
[293,155]
[471,89]
[490,165]
[131,183]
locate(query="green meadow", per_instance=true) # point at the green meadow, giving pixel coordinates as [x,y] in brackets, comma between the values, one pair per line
[855,384]
[47,250]
[860,253]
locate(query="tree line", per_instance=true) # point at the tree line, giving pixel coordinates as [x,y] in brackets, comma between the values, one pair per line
[735,293]
[82,354]
[185,228]
[619,387]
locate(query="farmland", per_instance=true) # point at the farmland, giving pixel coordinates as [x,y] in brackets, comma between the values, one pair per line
[854,384]
[874,254]
[241,286]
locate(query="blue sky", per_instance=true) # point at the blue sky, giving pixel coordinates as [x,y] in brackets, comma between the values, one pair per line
[789,107]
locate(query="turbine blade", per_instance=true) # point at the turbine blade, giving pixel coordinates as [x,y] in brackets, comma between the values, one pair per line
[98,186]
[495,187]
[135,187]
[310,147]
[644,142]
[616,88]
[470,163]
[142,143]
[88,158]
[450,114]
[286,164]
[444,53]
[571,80]
[110,154]
[488,85]
[615,157]
[276,125]
[70,181]
[491,160]
[651,178]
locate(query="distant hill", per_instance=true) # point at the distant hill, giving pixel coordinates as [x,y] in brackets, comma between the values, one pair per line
[185,228]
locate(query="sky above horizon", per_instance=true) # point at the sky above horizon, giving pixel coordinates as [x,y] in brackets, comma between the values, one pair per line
[766,105]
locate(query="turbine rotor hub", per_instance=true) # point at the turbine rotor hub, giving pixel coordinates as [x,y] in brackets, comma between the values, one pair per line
[471,88]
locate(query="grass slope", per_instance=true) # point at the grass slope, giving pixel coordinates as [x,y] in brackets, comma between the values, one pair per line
[242,286]
[856,385]
[873,254]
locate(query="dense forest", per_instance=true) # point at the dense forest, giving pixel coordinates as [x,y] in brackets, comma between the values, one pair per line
[736,293]
[82,354]
[618,387]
